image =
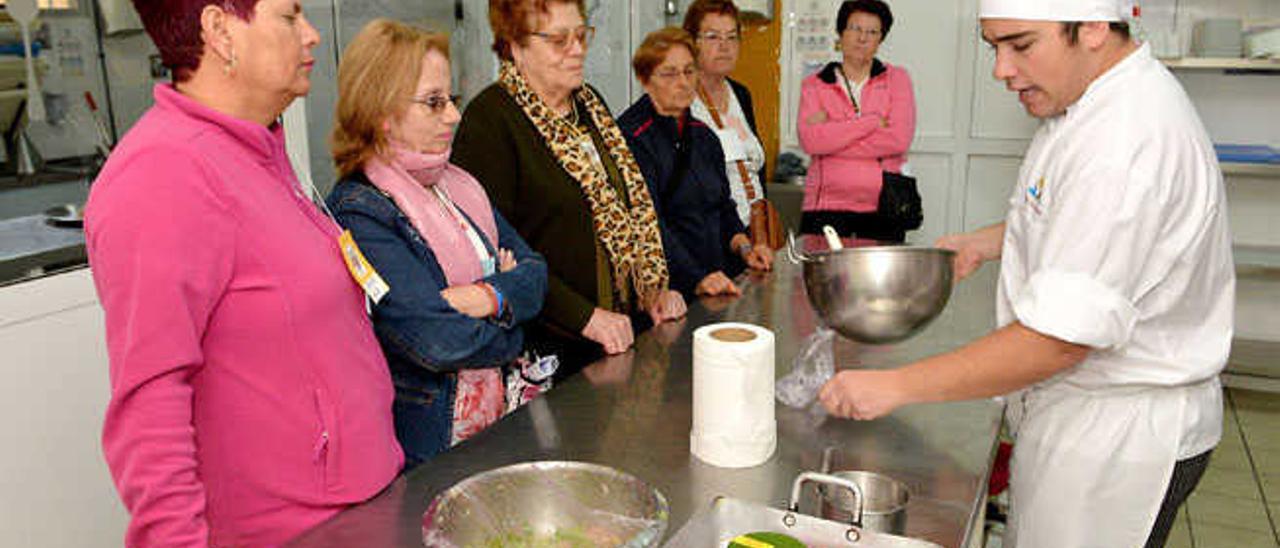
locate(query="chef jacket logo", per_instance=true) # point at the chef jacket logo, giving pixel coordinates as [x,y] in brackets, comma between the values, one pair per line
[1035,194]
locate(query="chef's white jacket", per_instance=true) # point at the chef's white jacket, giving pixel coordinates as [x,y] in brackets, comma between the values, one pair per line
[1117,239]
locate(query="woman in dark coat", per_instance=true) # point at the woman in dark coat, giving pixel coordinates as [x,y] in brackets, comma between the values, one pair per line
[553,161]
[705,241]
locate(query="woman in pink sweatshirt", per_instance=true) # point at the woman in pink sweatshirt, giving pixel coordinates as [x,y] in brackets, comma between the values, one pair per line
[249,398]
[856,121]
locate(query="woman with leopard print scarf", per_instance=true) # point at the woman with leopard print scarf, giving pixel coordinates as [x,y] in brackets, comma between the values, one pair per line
[554,163]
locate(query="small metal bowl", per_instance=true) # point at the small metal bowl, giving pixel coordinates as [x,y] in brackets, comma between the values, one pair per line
[548,503]
[883,507]
[877,295]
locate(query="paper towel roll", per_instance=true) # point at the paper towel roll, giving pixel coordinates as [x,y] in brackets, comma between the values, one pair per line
[733,423]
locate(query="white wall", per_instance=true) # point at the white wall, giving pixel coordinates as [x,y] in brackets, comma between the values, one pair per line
[1244,109]
[55,490]
[971,133]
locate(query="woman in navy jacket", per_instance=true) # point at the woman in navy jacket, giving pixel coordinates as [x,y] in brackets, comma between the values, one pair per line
[704,240]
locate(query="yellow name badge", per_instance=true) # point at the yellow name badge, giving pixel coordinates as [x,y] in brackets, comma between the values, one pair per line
[363,273]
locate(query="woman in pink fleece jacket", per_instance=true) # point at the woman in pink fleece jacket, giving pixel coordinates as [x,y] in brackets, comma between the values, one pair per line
[249,398]
[856,121]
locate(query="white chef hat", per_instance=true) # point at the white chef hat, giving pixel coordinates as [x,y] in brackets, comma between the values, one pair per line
[1056,10]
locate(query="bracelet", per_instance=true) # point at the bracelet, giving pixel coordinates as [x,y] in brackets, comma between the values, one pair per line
[744,248]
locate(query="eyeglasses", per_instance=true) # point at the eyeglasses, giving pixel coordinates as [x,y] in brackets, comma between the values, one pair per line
[564,39]
[869,33]
[726,37]
[672,74]
[436,103]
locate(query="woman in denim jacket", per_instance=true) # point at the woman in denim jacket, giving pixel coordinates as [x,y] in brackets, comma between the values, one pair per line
[461,280]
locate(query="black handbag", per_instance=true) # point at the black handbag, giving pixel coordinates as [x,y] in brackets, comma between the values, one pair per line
[899,202]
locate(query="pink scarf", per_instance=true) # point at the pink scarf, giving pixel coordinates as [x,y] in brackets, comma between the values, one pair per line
[408,178]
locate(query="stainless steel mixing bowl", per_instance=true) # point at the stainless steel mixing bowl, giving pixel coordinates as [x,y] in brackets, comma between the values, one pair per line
[877,295]
[548,503]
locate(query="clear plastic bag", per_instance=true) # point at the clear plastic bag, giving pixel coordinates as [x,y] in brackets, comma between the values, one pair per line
[812,368]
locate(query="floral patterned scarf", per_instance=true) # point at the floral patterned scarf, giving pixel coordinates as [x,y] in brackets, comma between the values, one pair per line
[630,237]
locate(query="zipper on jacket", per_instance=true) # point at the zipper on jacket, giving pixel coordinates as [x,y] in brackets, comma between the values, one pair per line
[321,447]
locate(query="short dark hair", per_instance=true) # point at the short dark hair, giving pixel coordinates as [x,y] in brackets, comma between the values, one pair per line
[700,9]
[174,27]
[1072,30]
[874,7]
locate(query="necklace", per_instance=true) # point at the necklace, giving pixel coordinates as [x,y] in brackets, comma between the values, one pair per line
[572,117]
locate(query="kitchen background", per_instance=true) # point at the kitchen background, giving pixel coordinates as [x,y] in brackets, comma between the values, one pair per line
[970,138]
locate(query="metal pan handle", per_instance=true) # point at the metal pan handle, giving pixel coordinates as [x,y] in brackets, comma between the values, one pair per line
[815,477]
[794,253]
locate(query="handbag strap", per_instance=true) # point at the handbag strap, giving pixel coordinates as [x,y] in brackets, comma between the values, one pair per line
[742,166]
[849,90]
[857,109]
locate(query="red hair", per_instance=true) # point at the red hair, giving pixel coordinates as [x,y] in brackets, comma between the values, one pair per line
[653,51]
[174,26]
[510,21]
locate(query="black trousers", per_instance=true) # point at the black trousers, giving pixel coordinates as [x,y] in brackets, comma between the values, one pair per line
[868,226]
[1186,475]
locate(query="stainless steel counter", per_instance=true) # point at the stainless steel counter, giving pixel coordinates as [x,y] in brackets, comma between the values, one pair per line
[30,245]
[633,412]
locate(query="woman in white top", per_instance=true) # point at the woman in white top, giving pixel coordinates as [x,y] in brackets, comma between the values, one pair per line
[725,105]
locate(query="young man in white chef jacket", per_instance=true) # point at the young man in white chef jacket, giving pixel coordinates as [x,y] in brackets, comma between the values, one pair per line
[1117,288]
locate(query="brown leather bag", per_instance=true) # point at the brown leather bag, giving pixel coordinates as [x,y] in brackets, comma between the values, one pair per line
[763,225]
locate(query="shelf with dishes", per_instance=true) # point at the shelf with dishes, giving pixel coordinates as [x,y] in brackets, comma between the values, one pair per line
[1228,64]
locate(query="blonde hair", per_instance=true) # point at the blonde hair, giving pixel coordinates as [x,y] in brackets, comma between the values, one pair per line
[379,70]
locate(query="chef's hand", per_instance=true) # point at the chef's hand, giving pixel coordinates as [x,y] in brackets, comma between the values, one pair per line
[973,248]
[610,329]
[668,306]
[716,283]
[966,262]
[862,394]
